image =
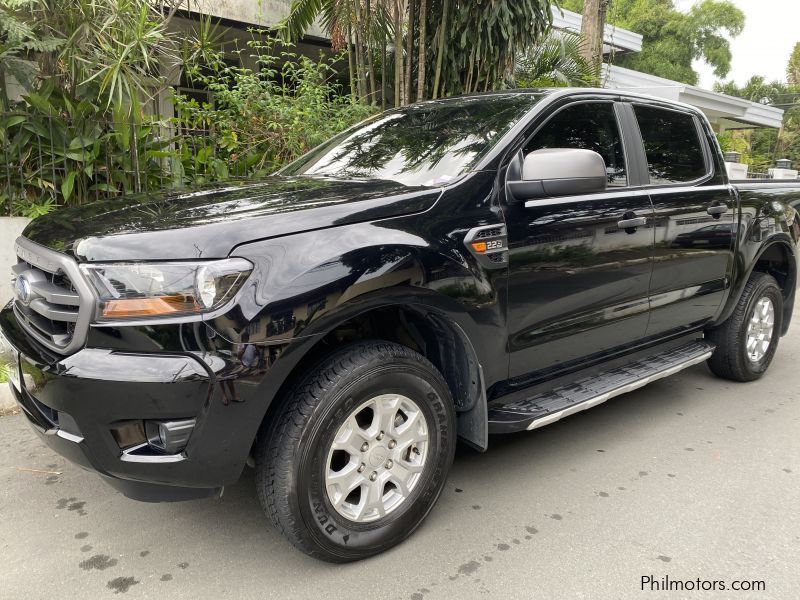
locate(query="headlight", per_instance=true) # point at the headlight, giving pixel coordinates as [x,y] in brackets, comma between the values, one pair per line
[161,289]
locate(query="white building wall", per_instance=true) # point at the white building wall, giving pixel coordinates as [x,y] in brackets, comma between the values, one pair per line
[266,13]
[10,229]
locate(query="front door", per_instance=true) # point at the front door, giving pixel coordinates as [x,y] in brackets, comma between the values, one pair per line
[578,282]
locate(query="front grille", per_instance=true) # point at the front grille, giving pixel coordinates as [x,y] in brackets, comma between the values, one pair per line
[51,299]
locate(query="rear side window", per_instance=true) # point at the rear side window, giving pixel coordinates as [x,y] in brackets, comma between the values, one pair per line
[672,145]
[586,126]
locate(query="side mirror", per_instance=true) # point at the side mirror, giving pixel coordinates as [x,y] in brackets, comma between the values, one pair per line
[555,172]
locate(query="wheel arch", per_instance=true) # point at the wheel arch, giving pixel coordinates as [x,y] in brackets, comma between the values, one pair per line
[428,330]
[776,257]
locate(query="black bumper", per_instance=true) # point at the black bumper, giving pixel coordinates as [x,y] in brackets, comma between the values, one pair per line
[75,401]
[77,450]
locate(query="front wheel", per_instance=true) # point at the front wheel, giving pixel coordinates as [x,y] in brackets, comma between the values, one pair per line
[746,342]
[359,453]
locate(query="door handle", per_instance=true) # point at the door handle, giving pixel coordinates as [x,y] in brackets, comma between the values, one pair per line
[632,223]
[717,210]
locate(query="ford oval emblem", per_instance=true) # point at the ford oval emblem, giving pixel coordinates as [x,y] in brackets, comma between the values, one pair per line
[22,288]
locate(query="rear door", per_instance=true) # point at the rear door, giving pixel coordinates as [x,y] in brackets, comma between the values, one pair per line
[695,219]
[578,282]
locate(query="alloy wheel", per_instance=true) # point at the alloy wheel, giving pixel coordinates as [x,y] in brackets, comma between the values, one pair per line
[759,329]
[377,458]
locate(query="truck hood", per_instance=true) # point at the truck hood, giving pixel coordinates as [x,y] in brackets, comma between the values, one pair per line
[209,222]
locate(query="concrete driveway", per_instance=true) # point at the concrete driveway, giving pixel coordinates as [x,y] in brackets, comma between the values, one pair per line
[690,477]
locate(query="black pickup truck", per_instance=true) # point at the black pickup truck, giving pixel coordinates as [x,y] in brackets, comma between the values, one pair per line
[482,264]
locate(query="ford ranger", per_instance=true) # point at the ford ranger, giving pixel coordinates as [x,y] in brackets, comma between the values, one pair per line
[482,264]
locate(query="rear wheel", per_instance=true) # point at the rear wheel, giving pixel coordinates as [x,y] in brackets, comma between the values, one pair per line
[359,453]
[746,342]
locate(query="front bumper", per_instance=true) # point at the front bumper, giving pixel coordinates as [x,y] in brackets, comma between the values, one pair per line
[76,450]
[75,401]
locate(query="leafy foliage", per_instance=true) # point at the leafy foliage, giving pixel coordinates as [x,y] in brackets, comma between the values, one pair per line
[793,68]
[18,38]
[54,150]
[111,48]
[79,132]
[485,39]
[261,120]
[447,46]
[59,148]
[5,372]
[673,39]
[333,15]
[760,148]
[556,61]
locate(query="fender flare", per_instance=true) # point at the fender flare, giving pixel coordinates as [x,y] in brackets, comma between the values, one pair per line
[463,371]
[742,275]
[469,394]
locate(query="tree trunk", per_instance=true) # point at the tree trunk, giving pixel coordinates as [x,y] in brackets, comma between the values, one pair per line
[478,62]
[4,102]
[440,51]
[383,70]
[353,94]
[592,25]
[467,83]
[399,12]
[423,21]
[359,42]
[373,98]
[409,51]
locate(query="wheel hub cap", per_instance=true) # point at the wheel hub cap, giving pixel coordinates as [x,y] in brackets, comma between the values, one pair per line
[377,457]
[759,329]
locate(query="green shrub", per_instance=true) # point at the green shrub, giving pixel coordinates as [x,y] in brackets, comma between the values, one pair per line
[260,120]
[58,148]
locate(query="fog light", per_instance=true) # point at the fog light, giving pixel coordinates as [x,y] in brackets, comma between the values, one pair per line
[169,436]
[128,434]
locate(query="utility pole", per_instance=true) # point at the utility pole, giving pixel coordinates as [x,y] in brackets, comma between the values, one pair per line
[592,25]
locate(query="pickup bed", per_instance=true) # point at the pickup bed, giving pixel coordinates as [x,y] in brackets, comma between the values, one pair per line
[455,268]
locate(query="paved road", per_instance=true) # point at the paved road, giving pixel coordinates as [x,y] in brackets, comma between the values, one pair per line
[691,477]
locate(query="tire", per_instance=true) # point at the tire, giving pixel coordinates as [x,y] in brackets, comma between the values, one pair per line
[731,359]
[295,454]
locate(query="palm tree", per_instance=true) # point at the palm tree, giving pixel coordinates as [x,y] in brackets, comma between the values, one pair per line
[349,23]
[108,49]
[475,43]
[556,61]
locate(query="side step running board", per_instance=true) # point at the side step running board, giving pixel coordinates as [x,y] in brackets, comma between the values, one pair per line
[548,407]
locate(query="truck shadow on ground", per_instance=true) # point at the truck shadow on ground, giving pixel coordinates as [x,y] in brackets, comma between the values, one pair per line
[569,445]
[517,499]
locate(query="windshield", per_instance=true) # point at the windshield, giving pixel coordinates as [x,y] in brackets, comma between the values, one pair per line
[425,144]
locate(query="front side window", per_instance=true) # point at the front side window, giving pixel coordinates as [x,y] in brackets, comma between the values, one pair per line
[672,145]
[427,144]
[586,126]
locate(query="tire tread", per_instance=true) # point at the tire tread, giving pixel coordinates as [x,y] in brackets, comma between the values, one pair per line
[728,359]
[275,453]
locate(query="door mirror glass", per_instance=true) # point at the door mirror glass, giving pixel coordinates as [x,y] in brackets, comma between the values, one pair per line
[558,172]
